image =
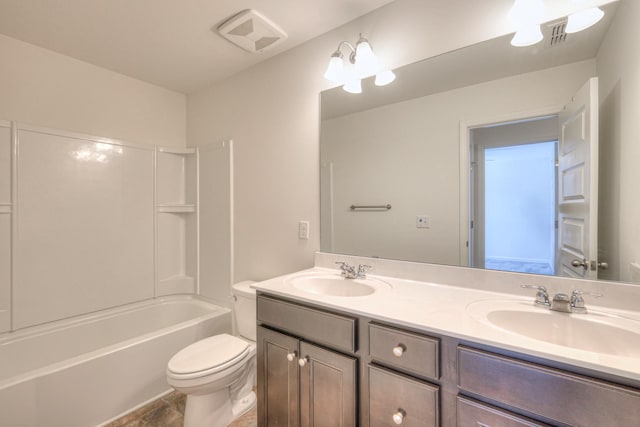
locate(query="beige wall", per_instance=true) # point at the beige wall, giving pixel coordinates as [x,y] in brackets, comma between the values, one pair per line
[44,88]
[618,65]
[271,111]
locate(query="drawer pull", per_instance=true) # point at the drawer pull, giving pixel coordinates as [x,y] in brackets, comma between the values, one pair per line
[398,417]
[291,356]
[399,350]
[303,361]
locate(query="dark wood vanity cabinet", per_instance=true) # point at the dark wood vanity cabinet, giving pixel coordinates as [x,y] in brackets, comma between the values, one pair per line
[301,383]
[557,396]
[357,371]
[319,392]
[320,368]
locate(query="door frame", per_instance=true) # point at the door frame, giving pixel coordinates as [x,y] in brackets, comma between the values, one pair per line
[465,177]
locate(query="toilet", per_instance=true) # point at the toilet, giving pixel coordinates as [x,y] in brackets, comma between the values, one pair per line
[218,373]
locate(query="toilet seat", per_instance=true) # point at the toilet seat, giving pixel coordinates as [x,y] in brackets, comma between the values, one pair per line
[208,356]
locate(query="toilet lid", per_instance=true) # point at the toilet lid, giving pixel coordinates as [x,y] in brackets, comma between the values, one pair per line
[209,353]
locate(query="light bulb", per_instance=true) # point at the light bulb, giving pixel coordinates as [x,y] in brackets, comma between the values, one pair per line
[584,19]
[335,69]
[384,78]
[527,36]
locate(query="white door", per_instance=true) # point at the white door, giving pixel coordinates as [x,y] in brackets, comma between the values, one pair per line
[578,185]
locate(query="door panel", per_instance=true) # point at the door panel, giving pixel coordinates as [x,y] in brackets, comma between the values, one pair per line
[578,189]
[327,388]
[278,379]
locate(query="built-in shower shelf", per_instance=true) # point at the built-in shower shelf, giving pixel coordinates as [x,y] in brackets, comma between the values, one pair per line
[177,285]
[5,209]
[178,208]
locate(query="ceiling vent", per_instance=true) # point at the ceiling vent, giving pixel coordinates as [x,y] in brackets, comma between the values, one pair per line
[555,33]
[252,31]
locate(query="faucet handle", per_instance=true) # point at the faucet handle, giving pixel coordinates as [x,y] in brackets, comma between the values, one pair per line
[362,270]
[542,297]
[343,267]
[577,302]
[348,271]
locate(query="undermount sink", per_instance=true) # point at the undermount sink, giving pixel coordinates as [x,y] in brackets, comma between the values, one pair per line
[335,285]
[597,332]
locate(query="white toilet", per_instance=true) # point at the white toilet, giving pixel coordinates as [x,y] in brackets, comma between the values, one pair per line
[218,373]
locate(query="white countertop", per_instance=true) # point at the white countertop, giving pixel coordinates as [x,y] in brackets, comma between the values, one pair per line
[449,310]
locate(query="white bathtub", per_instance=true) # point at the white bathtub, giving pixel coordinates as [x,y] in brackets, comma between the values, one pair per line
[91,369]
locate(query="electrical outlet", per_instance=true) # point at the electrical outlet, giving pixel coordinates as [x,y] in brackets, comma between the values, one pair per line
[422,221]
[303,230]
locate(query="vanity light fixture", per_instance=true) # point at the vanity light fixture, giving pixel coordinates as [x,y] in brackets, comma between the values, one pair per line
[363,62]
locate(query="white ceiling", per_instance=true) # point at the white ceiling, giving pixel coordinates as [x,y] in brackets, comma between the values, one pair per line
[170,43]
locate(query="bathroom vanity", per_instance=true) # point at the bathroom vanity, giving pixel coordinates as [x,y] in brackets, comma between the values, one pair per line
[418,354]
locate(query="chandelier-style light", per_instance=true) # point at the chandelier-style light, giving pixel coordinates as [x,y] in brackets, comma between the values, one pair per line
[363,63]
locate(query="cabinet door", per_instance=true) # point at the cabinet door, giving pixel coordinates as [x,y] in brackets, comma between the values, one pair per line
[327,388]
[278,379]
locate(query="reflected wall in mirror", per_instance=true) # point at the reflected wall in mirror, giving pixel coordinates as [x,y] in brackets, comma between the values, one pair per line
[410,145]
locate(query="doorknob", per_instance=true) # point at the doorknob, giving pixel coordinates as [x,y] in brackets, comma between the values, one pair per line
[584,264]
[578,263]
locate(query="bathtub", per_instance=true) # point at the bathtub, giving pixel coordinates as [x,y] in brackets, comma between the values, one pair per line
[91,369]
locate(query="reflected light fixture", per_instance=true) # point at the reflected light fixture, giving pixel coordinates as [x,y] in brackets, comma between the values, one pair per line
[363,62]
[583,19]
[527,15]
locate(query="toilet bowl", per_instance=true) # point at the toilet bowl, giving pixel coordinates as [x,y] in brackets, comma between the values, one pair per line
[218,373]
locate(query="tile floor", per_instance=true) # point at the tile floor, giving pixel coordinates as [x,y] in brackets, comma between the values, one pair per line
[519,266]
[168,412]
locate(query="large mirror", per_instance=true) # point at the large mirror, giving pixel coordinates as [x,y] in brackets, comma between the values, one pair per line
[461,161]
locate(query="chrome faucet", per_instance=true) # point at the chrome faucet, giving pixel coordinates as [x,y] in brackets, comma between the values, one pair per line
[577,302]
[562,302]
[542,297]
[349,271]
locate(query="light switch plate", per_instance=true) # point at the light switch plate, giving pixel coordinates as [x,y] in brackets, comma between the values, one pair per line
[303,230]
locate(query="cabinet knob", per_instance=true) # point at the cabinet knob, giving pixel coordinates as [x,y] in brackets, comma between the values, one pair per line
[399,350]
[303,361]
[398,417]
[291,356]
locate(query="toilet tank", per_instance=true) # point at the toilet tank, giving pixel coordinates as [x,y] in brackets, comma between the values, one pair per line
[244,309]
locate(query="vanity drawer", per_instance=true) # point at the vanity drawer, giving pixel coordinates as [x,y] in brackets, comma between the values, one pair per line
[417,354]
[476,414]
[550,393]
[390,394]
[333,330]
